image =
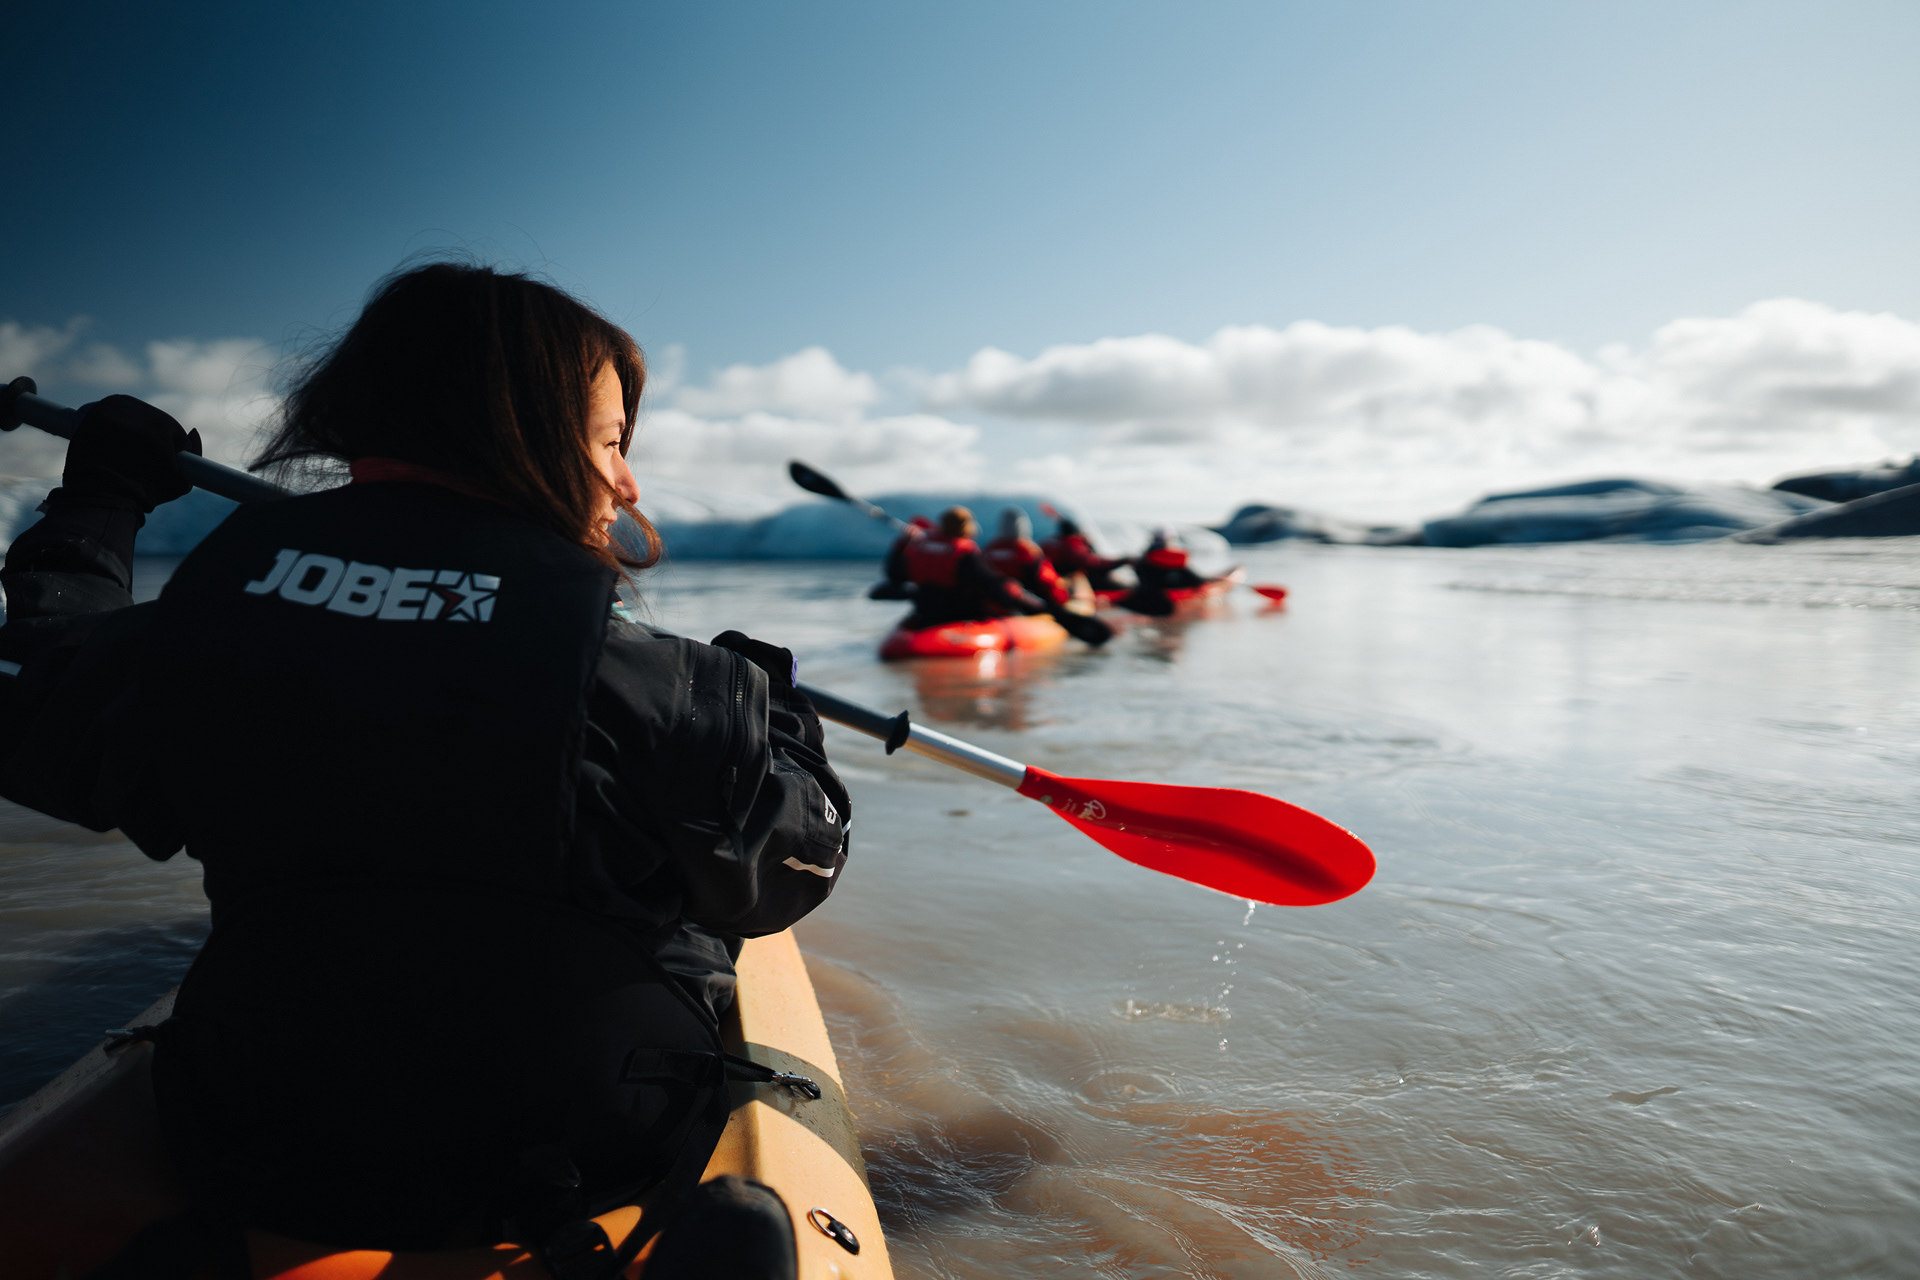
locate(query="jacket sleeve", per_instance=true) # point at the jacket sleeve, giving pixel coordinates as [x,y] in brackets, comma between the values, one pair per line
[975,574]
[73,721]
[895,568]
[704,794]
[63,572]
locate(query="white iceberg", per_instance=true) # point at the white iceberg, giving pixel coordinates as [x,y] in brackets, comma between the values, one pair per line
[1622,509]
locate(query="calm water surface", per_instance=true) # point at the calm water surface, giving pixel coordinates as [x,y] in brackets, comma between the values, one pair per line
[1636,992]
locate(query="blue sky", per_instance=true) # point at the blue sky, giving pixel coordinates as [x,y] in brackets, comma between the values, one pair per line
[907,186]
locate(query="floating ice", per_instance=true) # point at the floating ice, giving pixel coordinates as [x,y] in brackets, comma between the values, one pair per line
[1845,486]
[1259,522]
[1890,513]
[1619,509]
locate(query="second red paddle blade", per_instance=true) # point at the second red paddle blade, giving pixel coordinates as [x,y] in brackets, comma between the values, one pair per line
[1270,591]
[1238,842]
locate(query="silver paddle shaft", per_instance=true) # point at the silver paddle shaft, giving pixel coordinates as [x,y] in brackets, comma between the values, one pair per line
[203,473]
[897,731]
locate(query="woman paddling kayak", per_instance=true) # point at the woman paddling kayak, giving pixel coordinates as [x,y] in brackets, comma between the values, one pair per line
[477,848]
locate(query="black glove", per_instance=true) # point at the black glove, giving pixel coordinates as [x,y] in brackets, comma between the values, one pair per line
[779,664]
[121,457]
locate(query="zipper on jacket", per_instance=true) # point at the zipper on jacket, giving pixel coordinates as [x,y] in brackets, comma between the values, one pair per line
[737,737]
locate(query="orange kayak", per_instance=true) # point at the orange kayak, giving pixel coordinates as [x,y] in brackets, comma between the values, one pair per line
[82,1166]
[965,639]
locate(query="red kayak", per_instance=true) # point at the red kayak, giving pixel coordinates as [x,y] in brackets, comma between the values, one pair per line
[965,639]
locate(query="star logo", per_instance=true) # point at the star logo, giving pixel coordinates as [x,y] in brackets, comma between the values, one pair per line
[463,597]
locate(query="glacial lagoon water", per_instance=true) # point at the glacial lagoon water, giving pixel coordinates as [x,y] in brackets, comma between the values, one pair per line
[1636,992]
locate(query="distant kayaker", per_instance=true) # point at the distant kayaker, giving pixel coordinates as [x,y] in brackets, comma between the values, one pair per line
[1016,556]
[1163,565]
[1070,553]
[952,581]
[478,847]
[897,582]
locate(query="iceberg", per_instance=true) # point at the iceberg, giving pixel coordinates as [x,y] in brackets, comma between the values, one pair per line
[1623,509]
[1846,486]
[1889,513]
[1259,522]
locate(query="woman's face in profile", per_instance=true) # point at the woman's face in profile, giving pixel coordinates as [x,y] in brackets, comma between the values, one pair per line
[606,424]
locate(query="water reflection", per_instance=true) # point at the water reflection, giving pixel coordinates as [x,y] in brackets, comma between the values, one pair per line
[996,690]
[1159,639]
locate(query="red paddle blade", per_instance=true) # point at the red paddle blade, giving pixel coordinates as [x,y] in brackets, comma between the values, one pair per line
[1239,842]
[1270,591]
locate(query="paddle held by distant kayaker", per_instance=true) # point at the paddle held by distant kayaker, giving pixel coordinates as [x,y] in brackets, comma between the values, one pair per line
[478,844]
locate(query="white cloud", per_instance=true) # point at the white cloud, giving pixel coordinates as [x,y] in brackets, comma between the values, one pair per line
[737,433]
[749,453]
[665,368]
[27,348]
[102,365]
[809,383]
[1392,423]
[1785,368]
[220,388]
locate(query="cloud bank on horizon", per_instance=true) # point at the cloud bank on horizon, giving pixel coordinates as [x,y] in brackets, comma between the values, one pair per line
[1386,424]
[222,388]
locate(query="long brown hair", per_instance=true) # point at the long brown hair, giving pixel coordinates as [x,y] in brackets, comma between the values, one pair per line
[479,373]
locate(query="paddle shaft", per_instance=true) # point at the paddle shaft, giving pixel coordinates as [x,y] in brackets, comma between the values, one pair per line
[57,419]
[879,513]
[920,740]
[203,473]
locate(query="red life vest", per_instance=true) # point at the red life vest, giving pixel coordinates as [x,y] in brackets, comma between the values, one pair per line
[1012,557]
[1070,553]
[934,561]
[1166,558]
[1020,560]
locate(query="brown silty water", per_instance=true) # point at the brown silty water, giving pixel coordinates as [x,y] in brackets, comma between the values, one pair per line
[1632,995]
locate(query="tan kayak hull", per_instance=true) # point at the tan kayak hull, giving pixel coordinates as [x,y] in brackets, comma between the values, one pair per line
[82,1166]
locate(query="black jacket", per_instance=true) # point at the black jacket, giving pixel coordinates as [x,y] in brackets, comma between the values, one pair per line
[425,798]
[682,746]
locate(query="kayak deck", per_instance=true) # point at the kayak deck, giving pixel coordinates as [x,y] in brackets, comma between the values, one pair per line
[83,1167]
[965,639]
